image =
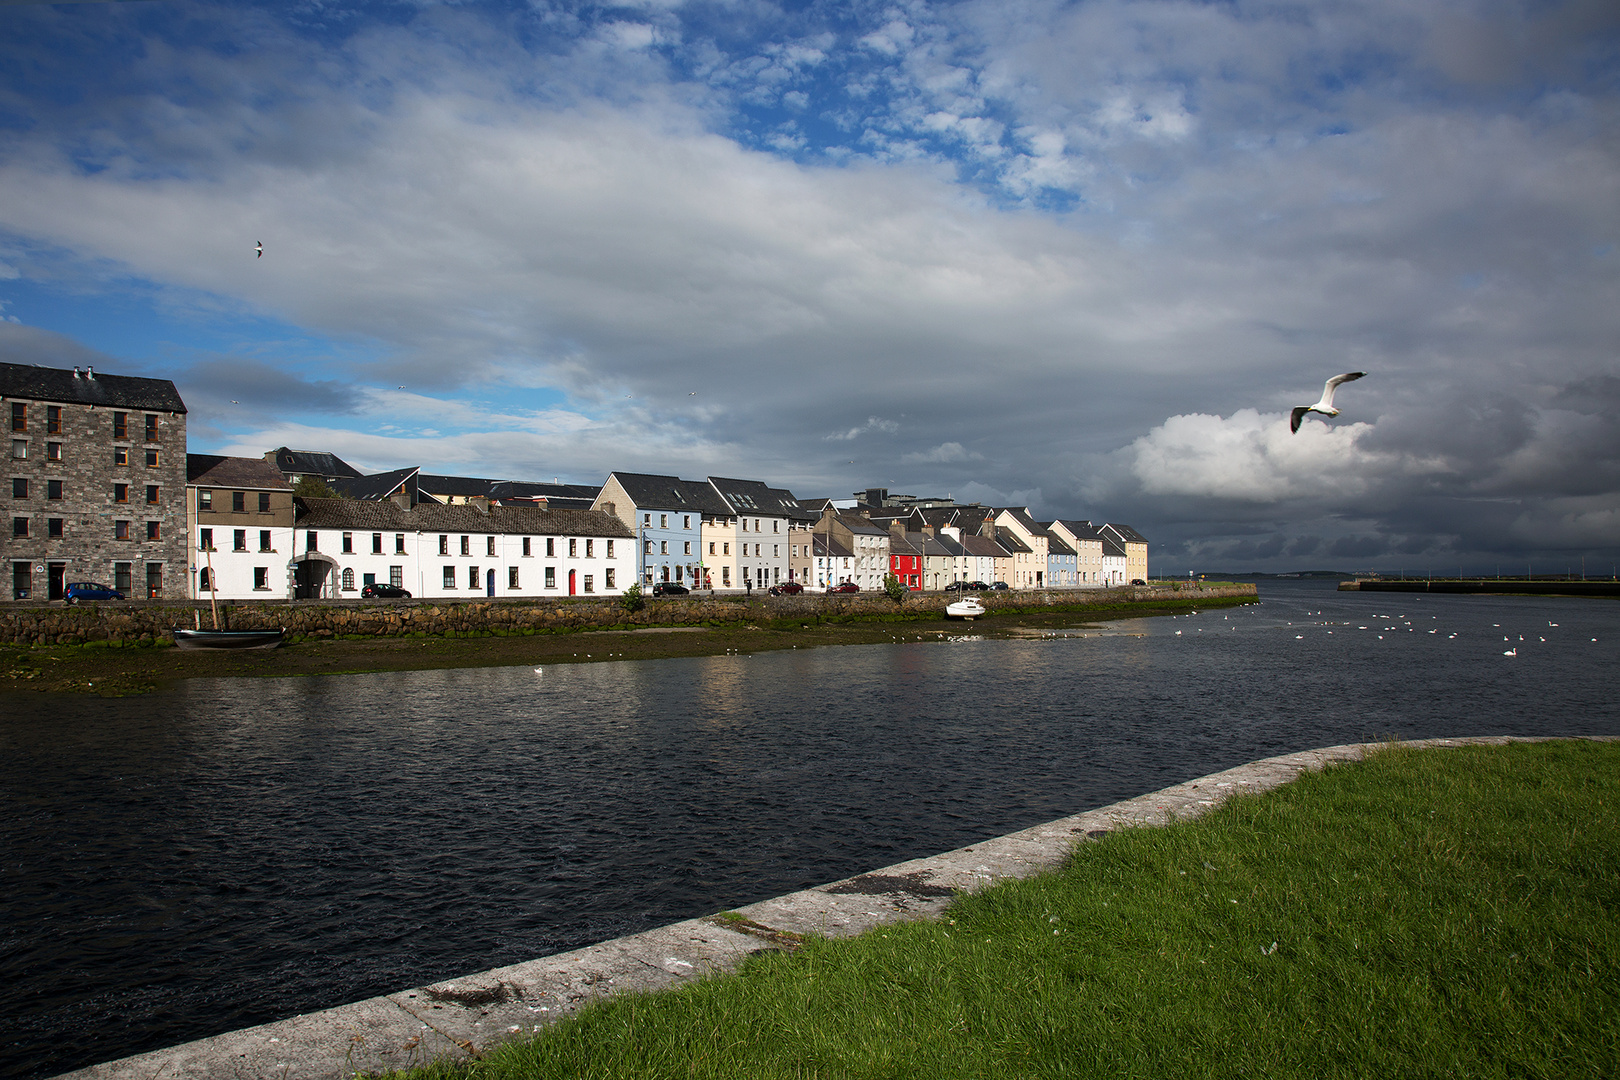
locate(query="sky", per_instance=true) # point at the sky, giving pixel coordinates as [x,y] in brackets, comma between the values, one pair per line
[1082,257]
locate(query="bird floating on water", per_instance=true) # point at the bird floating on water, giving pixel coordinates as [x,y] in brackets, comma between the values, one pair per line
[1325,406]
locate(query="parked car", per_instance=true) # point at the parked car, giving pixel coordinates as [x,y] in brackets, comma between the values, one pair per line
[1137,581]
[384,592]
[787,588]
[976,586]
[669,588]
[89,590]
[958,586]
[848,586]
[1000,586]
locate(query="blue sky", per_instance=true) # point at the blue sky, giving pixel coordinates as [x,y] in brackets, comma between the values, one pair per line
[1080,256]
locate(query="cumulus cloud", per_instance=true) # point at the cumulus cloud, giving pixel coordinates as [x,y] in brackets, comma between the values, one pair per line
[943,454]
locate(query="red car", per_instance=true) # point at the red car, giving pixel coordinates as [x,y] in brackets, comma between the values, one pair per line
[848,586]
[787,588]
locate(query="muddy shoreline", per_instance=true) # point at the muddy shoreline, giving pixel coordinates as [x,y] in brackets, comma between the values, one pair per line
[138,669]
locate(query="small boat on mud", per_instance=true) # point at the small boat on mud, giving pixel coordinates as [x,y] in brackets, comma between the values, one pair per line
[228,639]
[968,607]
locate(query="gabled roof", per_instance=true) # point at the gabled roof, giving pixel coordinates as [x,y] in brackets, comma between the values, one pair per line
[463,518]
[903,545]
[983,546]
[523,489]
[795,510]
[651,491]
[460,486]
[754,497]
[1080,530]
[211,470]
[77,387]
[1126,533]
[1055,545]
[855,523]
[379,486]
[310,463]
[946,546]
[1012,542]
[1112,547]
[840,550]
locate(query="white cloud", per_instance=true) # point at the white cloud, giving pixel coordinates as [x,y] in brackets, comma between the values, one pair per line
[943,454]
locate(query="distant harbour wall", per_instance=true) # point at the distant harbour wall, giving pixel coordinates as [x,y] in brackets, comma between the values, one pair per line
[1500,586]
[138,623]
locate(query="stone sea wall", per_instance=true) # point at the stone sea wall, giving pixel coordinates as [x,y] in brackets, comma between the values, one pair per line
[145,623]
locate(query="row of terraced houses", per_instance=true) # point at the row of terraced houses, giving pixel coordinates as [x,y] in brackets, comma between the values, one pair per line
[102,489]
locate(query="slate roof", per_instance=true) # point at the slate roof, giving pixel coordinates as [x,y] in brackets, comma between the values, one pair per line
[1126,533]
[552,493]
[1112,546]
[983,546]
[1080,530]
[651,491]
[819,544]
[211,470]
[460,486]
[755,497]
[379,486]
[312,463]
[461,518]
[1056,546]
[855,523]
[947,546]
[1012,542]
[78,388]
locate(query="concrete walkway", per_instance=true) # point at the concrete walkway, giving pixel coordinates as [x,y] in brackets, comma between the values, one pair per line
[464,1017]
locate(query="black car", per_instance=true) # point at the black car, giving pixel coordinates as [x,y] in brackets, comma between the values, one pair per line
[384,592]
[959,586]
[1000,586]
[669,588]
[1137,581]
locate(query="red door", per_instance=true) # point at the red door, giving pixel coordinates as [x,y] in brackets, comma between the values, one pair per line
[570,583]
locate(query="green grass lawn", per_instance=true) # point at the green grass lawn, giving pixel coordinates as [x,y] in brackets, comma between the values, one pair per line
[1451,912]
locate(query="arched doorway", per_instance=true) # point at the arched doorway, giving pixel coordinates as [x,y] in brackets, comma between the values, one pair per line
[570,583]
[310,576]
[489,583]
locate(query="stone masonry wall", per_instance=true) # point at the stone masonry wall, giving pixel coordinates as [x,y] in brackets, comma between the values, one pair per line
[138,622]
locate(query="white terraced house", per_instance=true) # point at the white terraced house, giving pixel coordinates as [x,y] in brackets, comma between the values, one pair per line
[466,550]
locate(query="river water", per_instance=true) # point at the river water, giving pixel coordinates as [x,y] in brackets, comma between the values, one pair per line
[237,851]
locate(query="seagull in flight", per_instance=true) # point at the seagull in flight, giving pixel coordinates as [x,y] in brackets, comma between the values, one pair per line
[1325,406]
[259,248]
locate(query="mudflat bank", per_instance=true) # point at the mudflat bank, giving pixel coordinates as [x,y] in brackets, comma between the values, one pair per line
[114,650]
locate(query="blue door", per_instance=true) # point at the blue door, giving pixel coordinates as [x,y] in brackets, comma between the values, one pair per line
[489,584]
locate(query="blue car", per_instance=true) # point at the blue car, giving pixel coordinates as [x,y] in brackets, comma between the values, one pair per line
[89,590]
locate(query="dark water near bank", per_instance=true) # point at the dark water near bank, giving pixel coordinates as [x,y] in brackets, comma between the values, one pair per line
[242,850]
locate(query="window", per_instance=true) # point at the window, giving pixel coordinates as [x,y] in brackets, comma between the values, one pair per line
[261,578]
[120,455]
[725,575]
[444,545]
[588,583]
[472,577]
[663,521]
[19,448]
[466,545]
[238,502]
[205,498]
[686,521]
[725,549]
[590,549]
[376,543]
[711,547]
[120,425]
[756,551]
[264,502]
[608,583]
[205,539]
[348,578]
[573,548]
[396,576]
[489,546]
[151,459]
[776,526]
[610,549]
[19,487]
[152,529]
[551,577]
[776,550]
[348,543]
[663,547]
[646,519]
[19,416]
[121,577]
[551,547]
[151,427]
[449,577]
[511,577]
[53,451]
[19,527]
[744,523]
[120,530]
[53,528]
[399,543]
[151,494]
[53,489]
[311,541]
[688,550]
[648,545]
[205,580]
[121,493]
[264,540]
[526,547]
[239,540]
[154,579]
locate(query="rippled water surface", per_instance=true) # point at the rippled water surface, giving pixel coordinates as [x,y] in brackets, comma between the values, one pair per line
[242,850]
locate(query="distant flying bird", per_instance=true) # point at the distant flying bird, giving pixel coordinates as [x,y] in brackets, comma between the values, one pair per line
[1325,406]
[691,393]
[402,386]
[235,402]
[259,249]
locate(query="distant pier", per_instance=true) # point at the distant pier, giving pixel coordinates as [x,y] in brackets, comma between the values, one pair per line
[1512,586]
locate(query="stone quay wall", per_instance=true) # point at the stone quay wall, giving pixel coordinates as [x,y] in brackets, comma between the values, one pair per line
[149,622]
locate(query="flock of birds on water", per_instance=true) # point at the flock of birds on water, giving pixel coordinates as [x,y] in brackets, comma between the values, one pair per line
[1393,623]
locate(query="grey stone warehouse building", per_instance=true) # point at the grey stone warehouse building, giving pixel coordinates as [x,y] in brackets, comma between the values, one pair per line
[96,482]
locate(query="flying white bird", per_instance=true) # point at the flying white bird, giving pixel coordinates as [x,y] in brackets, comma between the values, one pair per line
[1325,406]
[259,249]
